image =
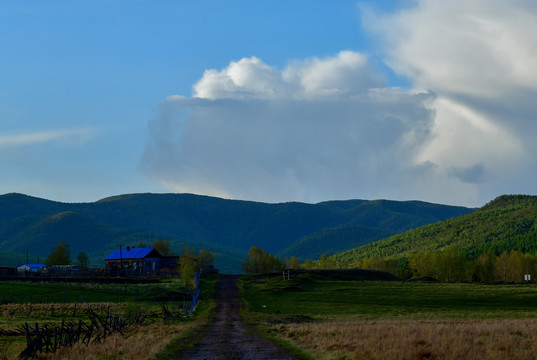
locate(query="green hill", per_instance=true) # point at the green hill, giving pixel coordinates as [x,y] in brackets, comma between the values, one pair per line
[506,223]
[226,227]
[333,240]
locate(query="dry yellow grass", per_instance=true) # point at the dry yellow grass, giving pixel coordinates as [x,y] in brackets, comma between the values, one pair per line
[140,343]
[416,339]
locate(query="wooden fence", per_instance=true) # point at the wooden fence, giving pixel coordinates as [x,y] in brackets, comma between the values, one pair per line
[48,338]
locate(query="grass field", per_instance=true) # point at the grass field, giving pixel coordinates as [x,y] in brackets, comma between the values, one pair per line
[80,292]
[333,316]
[50,303]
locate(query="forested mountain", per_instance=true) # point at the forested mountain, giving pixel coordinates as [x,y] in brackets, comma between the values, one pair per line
[226,227]
[334,240]
[507,223]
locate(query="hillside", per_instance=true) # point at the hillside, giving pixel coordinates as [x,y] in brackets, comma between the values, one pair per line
[507,223]
[334,240]
[226,227]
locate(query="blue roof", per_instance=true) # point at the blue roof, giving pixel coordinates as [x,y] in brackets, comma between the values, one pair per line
[32,266]
[132,253]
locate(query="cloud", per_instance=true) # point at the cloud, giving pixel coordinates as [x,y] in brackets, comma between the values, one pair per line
[471,174]
[346,74]
[478,48]
[478,57]
[327,128]
[78,135]
[317,129]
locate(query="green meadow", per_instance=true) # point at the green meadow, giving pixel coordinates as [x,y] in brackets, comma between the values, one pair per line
[318,294]
[68,292]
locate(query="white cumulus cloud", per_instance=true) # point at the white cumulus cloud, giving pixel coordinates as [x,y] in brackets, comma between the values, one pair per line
[317,129]
[346,74]
[327,128]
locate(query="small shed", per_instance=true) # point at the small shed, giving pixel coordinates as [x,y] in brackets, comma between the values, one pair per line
[31,268]
[140,260]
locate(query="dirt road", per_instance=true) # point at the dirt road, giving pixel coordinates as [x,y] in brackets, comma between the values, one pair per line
[228,337]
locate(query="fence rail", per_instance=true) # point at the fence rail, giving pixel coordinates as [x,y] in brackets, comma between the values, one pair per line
[48,338]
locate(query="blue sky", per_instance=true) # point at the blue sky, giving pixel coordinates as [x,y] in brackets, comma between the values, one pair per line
[268,100]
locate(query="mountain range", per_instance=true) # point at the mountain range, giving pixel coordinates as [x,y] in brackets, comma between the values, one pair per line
[508,222]
[228,228]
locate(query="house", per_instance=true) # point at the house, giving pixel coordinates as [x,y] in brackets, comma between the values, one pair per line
[34,268]
[138,260]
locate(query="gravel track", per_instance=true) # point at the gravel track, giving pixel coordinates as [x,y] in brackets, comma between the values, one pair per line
[228,337]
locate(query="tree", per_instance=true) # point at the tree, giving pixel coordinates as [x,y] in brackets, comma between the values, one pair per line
[501,266]
[515,272]
[383,264]
[60,255]
[484,268]
[163,247]
[260,261]
[292,263]
[204,258]
[83,261]
[451,264]
[327,262]
[421,265]
[187,267]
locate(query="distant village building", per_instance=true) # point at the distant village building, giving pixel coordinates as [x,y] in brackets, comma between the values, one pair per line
[34,268]
[139,260]
[63,269]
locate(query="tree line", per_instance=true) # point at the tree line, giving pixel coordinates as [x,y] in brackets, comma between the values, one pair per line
[260,261]
[454,265]
[448,265]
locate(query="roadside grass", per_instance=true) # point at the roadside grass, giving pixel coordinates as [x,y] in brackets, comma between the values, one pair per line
[204,315]
[141,342]
[326,315]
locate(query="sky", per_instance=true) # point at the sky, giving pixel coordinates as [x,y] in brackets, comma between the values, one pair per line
[270,101]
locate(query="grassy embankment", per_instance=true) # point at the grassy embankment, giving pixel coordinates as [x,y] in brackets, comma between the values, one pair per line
[47,303]
[330,315]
